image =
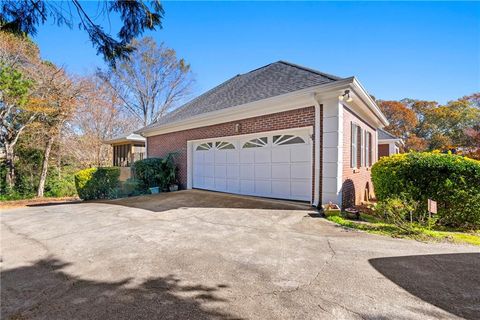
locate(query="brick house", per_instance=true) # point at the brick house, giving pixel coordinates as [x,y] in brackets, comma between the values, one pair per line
[280,131]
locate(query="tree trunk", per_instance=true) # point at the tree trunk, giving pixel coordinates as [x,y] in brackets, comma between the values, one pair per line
[43,176]
[9,161]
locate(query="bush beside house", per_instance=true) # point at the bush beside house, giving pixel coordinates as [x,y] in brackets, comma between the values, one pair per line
[453,181]
[97,183]
[156,172]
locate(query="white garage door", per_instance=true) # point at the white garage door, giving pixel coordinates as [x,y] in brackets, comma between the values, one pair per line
[277,165]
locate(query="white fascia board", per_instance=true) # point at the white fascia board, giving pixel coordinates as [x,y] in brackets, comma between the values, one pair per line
[368,101]
[285,102]
[132,137]
[123,140]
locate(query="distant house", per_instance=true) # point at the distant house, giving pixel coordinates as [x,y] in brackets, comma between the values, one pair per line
[279,131]
[127,149]
[388,144]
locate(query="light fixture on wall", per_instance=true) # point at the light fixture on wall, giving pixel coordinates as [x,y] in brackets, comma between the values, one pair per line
[237,128]
[345,96]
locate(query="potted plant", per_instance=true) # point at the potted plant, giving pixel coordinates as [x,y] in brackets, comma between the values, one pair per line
[352,213]
[331,209]
[154,190]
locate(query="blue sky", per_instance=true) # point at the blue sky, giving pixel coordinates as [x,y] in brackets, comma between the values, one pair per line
[422,50]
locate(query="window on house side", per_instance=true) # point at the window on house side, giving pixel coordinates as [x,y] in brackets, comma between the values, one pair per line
[362,148]
[353,146]
[368,149]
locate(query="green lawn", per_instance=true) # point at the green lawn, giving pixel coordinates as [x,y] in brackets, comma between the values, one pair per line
[371,224]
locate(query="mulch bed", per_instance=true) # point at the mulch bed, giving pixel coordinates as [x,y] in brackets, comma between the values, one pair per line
[37,202]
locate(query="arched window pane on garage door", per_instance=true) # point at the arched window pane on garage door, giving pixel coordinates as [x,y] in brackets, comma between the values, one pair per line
[205,146]
[287,139]
[224,145]
[256,143]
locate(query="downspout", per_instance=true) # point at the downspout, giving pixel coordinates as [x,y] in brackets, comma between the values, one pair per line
[146,147]
[316,189]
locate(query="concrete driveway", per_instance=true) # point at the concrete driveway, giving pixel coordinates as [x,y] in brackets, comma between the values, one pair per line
[203,255]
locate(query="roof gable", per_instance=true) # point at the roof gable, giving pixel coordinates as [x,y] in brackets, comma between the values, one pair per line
[384,135]
[269,81]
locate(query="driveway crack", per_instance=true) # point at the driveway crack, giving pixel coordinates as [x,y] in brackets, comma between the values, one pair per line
[300,287]
[26,237]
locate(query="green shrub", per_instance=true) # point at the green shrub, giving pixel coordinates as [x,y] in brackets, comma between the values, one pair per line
[97,183]
[453,181]
[60,184]
[398,211]
[156,172]
[130,187]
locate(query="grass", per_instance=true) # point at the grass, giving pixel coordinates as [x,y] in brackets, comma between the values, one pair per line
[374,225]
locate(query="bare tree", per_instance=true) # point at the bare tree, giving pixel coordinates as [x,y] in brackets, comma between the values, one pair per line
[151,82]
[99,117]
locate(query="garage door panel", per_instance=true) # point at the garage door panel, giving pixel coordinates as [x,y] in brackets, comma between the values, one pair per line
[281,188]
[247,156]
[263,155]
[300,171]
[220,171]
[263,171]
[276,165]
[247,172]
[263,187]
[220,184]
[301,154]
[209,156]
[198,181]
[198,171]
[233,171]
[300,189]
[281,155]
[209,170]
[233,185]
[233,157]
[209,183]
[247,186]
[281,171]
[220,156]
[198,158]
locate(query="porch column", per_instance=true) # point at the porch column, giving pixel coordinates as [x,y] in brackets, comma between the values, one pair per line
[332,166]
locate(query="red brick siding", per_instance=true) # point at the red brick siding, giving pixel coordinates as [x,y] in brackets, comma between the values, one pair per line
[160,145]
[355,181]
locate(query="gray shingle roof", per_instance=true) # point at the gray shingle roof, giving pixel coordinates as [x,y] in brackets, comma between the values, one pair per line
[384,135]
[271,80]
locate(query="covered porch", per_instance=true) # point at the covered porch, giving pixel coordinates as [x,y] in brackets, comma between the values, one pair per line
[126,150]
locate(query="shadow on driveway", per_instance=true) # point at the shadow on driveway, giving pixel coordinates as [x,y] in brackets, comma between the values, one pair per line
[206,199]
[448,281]
[43,290]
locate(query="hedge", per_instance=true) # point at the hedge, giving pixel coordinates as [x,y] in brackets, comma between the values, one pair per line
[451,180]
[97,183]
[155,172]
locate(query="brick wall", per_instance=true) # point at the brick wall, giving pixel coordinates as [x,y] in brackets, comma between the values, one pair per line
[356,181]
[160,145]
